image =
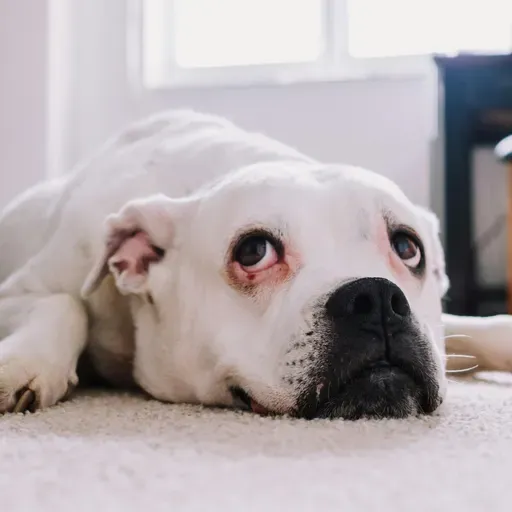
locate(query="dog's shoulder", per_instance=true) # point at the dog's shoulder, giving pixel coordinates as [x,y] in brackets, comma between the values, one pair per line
[26,223]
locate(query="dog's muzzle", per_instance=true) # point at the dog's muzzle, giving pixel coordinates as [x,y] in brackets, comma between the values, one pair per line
[377,362]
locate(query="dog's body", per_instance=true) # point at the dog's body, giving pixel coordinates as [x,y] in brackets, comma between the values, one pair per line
[143,298]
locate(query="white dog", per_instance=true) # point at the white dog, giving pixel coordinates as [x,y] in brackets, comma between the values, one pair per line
[211,265]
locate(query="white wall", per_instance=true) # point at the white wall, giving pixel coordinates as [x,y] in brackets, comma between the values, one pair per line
[23,90]
[386,125]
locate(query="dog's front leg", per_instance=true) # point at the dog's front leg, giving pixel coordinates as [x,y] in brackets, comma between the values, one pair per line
[41,339]
[488,340]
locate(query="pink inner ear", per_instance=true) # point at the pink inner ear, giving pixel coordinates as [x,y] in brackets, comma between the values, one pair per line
[135,254]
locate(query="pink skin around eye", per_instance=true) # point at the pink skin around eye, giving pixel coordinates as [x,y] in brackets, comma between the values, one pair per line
[273,273]
[400,271]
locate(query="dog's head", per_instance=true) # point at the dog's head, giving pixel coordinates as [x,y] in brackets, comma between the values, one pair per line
[315,293]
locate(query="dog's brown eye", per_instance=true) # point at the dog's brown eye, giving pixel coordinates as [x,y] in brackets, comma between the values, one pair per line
[251,251]
[255,253]
[407,249]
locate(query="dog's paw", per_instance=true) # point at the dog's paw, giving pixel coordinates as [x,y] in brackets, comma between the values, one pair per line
[29,384]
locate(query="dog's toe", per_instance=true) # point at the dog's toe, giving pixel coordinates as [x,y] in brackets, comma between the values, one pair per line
[25,401]
[23,390]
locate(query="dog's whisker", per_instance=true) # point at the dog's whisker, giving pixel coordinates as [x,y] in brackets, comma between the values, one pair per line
[450,336]
[459,356]
[464,370]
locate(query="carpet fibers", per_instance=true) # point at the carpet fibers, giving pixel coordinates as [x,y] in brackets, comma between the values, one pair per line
[110,452]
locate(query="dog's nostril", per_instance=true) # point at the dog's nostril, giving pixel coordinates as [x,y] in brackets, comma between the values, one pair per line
[368,300]
[363,304]
[399,304]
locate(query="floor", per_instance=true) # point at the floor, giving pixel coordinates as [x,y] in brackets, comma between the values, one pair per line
[109,452]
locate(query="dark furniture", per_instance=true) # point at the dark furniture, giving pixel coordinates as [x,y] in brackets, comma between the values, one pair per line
[476,110]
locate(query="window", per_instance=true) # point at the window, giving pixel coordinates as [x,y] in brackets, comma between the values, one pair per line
[412,27]
[247,33]
[208,42]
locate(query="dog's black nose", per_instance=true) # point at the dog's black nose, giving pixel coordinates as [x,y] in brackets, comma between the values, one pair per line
[376,360]
[368,303]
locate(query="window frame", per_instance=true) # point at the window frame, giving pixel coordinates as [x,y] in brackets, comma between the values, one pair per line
[335,64]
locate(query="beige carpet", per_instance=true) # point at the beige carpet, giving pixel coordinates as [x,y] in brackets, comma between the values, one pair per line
[107,452]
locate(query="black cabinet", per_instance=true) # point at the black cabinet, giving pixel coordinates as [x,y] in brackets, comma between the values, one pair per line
[476,110]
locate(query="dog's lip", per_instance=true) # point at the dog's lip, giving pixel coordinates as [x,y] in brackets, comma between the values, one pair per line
[243,400]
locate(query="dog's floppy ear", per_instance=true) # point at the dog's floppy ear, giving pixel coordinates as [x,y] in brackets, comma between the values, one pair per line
[439,266]
[136,237]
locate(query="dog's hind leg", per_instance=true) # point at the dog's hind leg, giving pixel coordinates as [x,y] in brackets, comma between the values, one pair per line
[488,340]
[41,339]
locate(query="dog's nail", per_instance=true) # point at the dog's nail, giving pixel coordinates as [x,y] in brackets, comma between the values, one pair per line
[25,401]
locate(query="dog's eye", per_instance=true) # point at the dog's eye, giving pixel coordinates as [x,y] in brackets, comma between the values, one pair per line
[407,248]
[255,253]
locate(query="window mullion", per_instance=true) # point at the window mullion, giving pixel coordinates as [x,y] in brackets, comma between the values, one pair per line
[338,28]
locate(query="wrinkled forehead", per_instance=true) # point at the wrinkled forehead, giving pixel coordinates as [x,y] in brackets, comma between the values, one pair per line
[311,204]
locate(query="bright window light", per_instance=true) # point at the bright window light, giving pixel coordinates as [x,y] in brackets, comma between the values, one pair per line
[223,33]
[392,28]
[224,42]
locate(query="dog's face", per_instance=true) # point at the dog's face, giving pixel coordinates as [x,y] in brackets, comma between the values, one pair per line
[315,293]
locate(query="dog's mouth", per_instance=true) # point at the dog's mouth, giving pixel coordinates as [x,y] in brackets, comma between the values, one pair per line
[380,390]
[242,400]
